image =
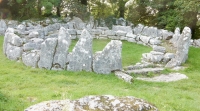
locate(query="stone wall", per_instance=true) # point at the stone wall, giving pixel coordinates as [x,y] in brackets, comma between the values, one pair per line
[45,44]
[37,50]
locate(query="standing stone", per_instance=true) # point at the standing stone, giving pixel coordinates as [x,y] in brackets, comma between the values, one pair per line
[31,58]
[109,59]
[81,56]
[175,37]
[7,38]
[3,27]
[64,41]
[47,53]
[182,49]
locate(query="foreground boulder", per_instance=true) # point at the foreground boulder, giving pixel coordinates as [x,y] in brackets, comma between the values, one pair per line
[81,56]
[95,103]
[109,59]
[183,45]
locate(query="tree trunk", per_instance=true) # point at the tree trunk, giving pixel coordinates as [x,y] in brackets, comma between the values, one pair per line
[121,8]
[58,11]
[84,2]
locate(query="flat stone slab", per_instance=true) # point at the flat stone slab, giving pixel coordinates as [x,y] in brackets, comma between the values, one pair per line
[165,78]
[145,70]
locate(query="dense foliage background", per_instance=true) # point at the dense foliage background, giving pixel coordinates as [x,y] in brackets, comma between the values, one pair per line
[167,14]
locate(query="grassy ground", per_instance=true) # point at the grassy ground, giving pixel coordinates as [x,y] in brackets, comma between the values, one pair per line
[22,86]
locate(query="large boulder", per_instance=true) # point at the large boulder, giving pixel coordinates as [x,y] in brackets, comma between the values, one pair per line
[3,27]
[112,103]
[138,29]
[150,31]
[153,56]
[47,53]
[12,45]
[31,58]
[13,52]
[33,44]
[7,38]
[109,59]
[60,57]
[81,56]
[145,39]
[52,27]
[197,42]
[95,103]
[182,49]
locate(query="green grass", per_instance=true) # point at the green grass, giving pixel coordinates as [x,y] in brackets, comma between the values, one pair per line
[22,86]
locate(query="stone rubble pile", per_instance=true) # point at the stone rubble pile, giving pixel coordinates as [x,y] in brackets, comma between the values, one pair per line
[49,29]
[95,103]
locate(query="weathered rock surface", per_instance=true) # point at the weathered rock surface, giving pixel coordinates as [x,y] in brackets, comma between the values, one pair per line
[3,27]
[145,71]
[197,42]
[165,34]
[122,28]
[145,39]
[124,76]
[31,58]
[109,59]
[150,31]
[168,57]
[175,37]
[11,45]
[138,29]
[95,103]
[153,56]
[47,53]
[182,49]
[33,44]
[112,103]
[159,49]
[13,52]
[81,56]
[60,58]
[165,78]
